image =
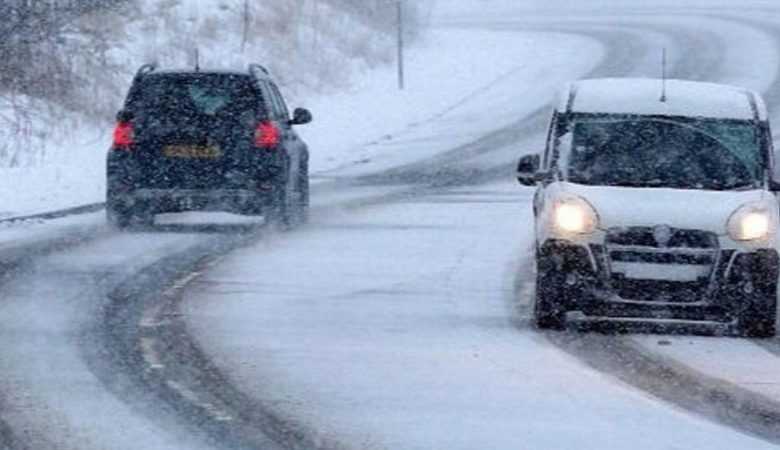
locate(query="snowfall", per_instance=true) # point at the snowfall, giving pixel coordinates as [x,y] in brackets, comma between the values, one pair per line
[399,317]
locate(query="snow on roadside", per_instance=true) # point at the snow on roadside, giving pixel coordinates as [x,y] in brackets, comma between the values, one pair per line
[71,171]
[740,362]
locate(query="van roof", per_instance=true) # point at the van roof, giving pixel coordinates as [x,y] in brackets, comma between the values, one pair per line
[639,96]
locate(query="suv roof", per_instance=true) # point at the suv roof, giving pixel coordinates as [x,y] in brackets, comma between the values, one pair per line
[255,70]
[636,96]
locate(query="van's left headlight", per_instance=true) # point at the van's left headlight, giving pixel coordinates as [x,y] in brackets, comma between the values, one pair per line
[752,222]
[574,215]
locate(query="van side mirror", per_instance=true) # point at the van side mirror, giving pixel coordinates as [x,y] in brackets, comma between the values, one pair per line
[527,170]
[124,116]
[301,116]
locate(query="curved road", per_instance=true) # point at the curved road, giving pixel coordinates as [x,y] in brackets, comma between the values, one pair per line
[403,306]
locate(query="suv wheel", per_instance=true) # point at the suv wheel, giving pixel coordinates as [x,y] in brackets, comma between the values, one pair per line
[122,218]
[302,204]
[280,213]
[118,218]
[550,307]
[290,209]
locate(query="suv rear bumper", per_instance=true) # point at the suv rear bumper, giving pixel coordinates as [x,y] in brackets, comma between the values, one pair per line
[739,280]
[154,201]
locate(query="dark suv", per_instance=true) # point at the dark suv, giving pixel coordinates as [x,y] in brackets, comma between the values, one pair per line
[207,141]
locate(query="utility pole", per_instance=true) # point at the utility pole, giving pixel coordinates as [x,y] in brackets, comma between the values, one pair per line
[315,36]
[400,8]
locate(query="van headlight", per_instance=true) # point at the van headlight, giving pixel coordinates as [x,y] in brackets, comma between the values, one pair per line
[751,222]
[574,215]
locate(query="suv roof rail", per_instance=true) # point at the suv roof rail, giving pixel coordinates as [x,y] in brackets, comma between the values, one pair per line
[254,69]
[146,68]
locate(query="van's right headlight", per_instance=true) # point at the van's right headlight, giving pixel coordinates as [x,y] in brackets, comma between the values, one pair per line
[751,222]
[574,215]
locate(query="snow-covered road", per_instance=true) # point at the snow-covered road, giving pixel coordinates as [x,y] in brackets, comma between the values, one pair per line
[396,326]
[402,336]
[397,318]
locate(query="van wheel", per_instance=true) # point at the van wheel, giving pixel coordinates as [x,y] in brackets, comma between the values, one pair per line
[758,323]
[550,307]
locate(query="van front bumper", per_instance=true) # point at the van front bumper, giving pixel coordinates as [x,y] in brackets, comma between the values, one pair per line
[713,285]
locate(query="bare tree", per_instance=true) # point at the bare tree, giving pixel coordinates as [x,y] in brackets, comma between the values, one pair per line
[29,33]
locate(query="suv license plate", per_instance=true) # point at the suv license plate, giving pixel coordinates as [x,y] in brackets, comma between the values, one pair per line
[183,151]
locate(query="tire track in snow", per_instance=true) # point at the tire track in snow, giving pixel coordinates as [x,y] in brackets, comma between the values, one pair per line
[144,347]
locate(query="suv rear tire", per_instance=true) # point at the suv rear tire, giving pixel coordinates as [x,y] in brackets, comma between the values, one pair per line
[290,209]
[302,204]
[118,218]
[124,218]
[280,213]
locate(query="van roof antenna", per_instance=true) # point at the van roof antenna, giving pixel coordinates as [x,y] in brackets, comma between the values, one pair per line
[197,60]
[663,75]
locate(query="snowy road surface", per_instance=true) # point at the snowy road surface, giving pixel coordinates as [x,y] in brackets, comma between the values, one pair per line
[399,317]
[415,346]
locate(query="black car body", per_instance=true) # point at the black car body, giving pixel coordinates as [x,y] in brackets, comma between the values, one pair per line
[208,141]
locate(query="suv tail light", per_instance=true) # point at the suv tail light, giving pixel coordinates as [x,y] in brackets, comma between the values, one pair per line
[124,135]
[267,135]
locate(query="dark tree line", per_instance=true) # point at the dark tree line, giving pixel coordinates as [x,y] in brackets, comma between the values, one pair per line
[30,31]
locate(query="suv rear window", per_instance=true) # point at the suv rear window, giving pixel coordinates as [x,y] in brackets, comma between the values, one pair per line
[195,95]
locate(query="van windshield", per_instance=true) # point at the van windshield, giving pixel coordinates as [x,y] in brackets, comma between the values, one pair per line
[672,153]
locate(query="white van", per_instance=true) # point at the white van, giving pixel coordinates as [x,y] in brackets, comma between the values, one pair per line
[655,201]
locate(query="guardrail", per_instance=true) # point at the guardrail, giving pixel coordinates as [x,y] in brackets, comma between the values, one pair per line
[57,214]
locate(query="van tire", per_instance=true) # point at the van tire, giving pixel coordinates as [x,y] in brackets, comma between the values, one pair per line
[550,306]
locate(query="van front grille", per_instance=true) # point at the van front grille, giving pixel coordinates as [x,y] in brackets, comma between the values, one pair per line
[670,265]
[646,237]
